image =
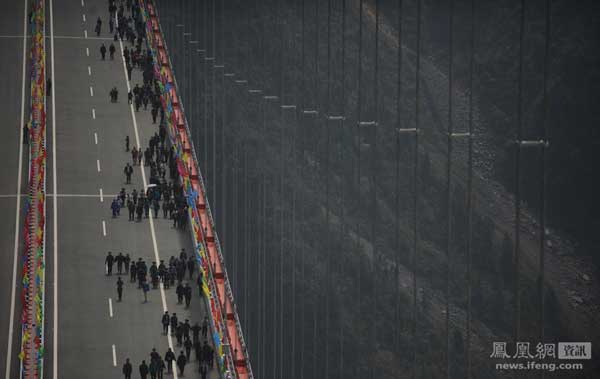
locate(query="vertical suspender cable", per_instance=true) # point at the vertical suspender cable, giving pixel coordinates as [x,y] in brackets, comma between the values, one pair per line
[358,181]
[205,82]
[282,166]
[326,178]
[222,206]
[303,206]
[470,190]
[343,181]
[449,184]
[416,187]
[213,176]
[542,214]
[315,179]
[397,186]
[375,258]
[517,261]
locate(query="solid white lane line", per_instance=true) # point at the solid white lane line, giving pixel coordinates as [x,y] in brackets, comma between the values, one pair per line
[93,113]
[114,351]
[85,33]
[98,164]
[89,71]
[18,208]
[110,309]
[104,228]
[54,209]
[83,17]
[91,91]
[95,138]
[101,196]
[151,217]
[82,4]
[87,51]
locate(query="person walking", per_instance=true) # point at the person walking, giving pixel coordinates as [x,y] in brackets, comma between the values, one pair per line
[111,51]
[169,358]
[128,170]
[132,273]
[103,51]
[134,156]
[161,368]
[109,261]
[145,288]
[120,288]
[120,259]
[127,369]
[208,355]
[180,291]
[144,370]
[205,327]
[196,332]
[153,369]
[131,209]
[174,323]
[191,266]
[181,362]
[165,322]
[188,349]
[187,293]
[203,372]
[126,261]
[98,26]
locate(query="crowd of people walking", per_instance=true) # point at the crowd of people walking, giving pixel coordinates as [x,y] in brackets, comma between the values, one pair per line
[163,196]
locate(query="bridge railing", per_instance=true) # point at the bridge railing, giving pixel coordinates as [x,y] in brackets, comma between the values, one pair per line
[228,336]
[32,294]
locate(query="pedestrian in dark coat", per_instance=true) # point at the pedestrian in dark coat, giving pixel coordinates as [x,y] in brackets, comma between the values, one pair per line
[131,209]
[179,334]
[98,27]
[120,288]
[180,291]
[174,323]
[154,115]
[191,266]
[144,370]
[169,358]
[165,322]
[132,273]
[181,361]
[205,327]
[187,293]
[111,51]
[195,332]
[127,369]
[120,259]
[127,260]
[109,261]
[103,51]
[188,349]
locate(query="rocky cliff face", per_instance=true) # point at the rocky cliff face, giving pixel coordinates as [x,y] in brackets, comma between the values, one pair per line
[317,215]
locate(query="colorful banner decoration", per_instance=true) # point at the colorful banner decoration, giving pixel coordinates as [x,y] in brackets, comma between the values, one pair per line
[230,348]
[32,294]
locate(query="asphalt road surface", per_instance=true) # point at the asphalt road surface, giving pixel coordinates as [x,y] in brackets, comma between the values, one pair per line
[93,333]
